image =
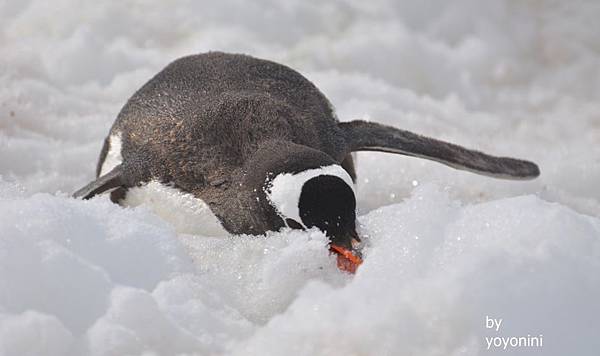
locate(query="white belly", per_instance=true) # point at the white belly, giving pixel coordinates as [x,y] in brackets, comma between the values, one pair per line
[184,211]
[113,156]
[188,214]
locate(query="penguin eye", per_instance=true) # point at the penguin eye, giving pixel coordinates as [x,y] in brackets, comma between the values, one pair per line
[293,224]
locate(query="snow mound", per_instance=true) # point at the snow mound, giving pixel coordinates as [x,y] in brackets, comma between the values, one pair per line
[95,278]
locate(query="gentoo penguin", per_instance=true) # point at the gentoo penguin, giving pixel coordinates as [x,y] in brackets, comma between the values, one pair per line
[260,145]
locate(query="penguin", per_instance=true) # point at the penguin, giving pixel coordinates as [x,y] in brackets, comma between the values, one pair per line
[258,145]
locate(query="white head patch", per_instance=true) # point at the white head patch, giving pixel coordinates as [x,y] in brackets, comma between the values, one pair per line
[285,189]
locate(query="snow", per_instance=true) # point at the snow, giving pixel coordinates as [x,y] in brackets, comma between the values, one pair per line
[444,249]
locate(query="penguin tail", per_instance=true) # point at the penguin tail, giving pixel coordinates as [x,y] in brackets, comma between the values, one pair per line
[370,136]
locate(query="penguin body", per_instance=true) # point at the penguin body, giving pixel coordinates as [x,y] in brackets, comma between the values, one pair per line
[226,129]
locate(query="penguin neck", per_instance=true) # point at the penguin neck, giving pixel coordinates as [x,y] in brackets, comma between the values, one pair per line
[245,208]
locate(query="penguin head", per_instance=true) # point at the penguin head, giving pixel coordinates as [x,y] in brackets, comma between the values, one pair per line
[302,188]
[321,197]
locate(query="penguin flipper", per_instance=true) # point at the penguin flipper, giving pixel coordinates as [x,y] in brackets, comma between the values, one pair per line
[110,180]
[370,136]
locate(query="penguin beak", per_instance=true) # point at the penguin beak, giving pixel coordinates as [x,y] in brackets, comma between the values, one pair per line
[348,255]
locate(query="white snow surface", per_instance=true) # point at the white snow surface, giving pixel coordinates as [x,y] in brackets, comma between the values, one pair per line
[444,248]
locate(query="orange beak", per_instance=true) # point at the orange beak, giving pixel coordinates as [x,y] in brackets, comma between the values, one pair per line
[347,261]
